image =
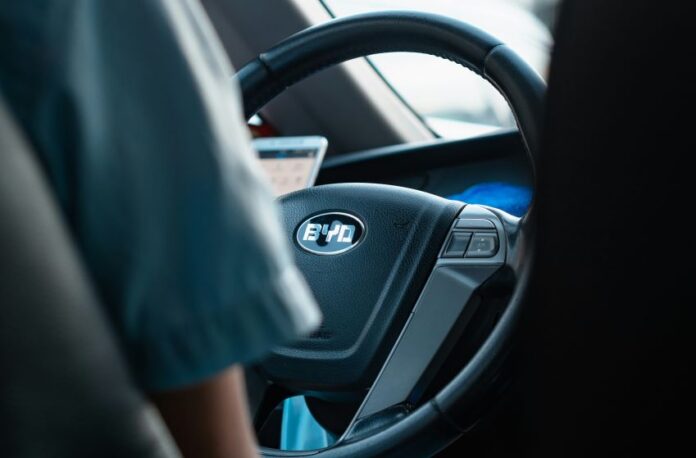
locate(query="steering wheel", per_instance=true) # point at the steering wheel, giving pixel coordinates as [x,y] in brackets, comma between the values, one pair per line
[407,281]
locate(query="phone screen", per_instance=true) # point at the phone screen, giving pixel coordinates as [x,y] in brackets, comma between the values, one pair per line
[290,163]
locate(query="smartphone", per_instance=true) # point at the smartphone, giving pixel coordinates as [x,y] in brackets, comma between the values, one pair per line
[291,163]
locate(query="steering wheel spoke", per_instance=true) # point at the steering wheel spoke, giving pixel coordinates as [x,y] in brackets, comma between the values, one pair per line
[472,254]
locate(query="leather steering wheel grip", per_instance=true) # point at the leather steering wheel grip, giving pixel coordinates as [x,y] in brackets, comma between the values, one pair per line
[340,40]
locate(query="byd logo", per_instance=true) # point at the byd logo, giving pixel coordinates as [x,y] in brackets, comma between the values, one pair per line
[330,233]
[342,232]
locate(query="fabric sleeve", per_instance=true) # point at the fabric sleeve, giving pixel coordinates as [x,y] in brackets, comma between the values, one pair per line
[142,134]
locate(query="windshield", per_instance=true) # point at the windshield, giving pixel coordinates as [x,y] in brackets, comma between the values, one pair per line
[452,101]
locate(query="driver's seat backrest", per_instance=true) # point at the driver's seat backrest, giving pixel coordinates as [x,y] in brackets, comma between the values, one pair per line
[611,325]
[64,387]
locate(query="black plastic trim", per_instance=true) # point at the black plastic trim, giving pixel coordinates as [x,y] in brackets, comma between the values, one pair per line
[393,161]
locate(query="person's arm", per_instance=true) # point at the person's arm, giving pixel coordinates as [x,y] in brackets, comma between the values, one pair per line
[210,419]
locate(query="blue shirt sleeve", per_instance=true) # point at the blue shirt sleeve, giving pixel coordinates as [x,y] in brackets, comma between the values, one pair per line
[131,108]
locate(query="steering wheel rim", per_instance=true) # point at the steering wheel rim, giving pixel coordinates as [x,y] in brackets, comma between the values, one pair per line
[438,421]
[339,40]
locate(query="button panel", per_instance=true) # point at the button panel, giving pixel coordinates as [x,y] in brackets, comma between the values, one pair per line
[476,238]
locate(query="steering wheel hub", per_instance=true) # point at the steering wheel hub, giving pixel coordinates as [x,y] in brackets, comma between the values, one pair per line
[368,287]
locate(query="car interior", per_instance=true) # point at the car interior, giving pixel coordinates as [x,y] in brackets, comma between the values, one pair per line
[507,292]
